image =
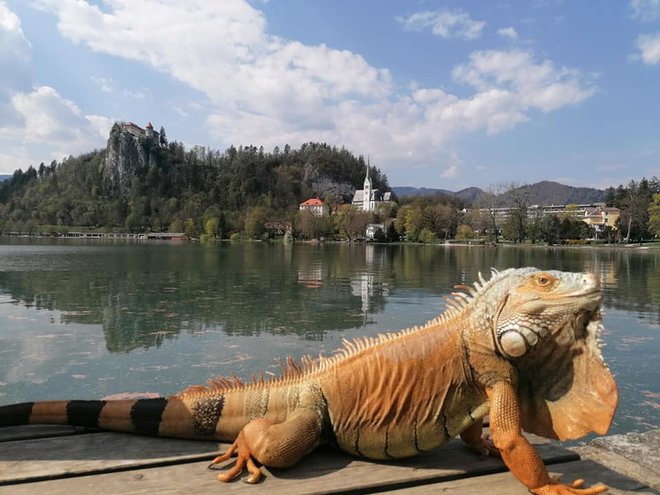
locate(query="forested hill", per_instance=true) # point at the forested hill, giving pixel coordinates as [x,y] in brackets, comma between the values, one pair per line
[539,193]
[143,183]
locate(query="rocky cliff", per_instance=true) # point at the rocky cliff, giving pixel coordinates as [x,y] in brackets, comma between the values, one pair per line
[126,154]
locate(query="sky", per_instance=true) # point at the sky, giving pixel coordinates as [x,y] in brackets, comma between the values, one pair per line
[441,94]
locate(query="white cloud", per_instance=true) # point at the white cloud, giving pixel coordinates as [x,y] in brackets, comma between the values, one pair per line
[645,10]
[508,32]
[649,47]
[36,123]
[444,23]
[106,85]
[263,89]
[536,84]
[15,54]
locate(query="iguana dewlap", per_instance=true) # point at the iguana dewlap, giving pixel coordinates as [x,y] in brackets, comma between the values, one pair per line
[522,346]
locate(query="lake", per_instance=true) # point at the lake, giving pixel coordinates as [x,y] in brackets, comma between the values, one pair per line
[89,319]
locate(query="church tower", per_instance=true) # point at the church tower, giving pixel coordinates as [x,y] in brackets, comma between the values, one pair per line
[367,204]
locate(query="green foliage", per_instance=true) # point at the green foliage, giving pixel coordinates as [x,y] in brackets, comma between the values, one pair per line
[211,227]
[163,185]
[634,200]
[464,232]
[427,236]
[654,215]
[352,222]
[255,223]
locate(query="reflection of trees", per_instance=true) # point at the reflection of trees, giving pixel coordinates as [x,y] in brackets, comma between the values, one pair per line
[144,295]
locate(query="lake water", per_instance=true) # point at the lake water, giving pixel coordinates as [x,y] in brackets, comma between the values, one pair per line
[92,319]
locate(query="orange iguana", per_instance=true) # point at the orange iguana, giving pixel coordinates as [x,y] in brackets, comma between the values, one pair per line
[523,347]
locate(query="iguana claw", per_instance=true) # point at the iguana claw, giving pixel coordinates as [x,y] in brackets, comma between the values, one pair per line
[243,460]
[575,488]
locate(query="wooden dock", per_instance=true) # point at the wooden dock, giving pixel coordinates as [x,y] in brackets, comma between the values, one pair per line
[58,460]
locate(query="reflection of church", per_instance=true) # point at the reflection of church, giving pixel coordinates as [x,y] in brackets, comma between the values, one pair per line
[369,198]
[365,286]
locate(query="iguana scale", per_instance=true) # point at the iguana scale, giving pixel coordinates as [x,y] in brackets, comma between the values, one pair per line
[523,347]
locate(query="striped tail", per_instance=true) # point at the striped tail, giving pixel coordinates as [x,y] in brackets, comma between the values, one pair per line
[142,416]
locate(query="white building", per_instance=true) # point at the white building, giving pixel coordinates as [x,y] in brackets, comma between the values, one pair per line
[314,205]
[369,198]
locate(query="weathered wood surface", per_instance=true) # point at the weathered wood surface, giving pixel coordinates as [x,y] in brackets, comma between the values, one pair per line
[636,455]
[68,455]
[13,433]
[504,483]
[118,463]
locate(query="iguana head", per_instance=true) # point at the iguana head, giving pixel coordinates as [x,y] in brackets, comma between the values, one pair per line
[548,324]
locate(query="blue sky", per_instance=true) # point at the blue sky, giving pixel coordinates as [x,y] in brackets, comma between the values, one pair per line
[445,94]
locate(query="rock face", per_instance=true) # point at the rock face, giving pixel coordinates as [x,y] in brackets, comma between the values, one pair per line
[126,154]
[323,186]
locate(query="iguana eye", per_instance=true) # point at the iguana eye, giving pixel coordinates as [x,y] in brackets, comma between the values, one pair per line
[543,280]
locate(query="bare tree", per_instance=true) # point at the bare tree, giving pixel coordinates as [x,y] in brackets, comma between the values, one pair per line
[518,199]
[491,202]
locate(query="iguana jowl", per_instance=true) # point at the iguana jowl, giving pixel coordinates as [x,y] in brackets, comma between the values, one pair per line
[523,346]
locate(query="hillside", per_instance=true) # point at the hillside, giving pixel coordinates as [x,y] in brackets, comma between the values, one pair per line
[403,191]
[540,193]
[140,182]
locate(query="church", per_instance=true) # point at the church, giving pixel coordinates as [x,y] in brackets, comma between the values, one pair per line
[368,198]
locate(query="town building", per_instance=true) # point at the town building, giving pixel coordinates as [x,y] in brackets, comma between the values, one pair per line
[316,206]
[601,217]
[372,229]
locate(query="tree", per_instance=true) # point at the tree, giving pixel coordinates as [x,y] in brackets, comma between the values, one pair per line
[464,232]
[255,222]
[654,215]
[491,202]
[634,201]
[427,236]
[519,201]
[478,220]
[211,227]
[549,227]
[439,219]
[352,222]
[189,228]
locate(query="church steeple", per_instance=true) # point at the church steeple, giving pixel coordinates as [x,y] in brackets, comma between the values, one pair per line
[367,201]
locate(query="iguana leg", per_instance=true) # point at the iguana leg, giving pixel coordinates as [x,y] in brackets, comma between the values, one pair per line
[272,444]
[517,453]
[482,444]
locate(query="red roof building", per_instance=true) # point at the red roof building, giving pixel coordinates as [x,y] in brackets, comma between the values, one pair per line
[315,205]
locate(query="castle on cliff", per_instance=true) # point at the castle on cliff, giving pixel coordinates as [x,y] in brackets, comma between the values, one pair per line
[138,132]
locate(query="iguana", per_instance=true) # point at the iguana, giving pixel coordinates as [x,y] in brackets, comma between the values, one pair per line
[523,347]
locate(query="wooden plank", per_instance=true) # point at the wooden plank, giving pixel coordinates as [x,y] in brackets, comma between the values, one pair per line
[505,484]
[14,433]
[636,455]
[324,472]
[52,457]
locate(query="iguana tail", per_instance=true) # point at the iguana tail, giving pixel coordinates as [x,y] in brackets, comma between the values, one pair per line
[170,417]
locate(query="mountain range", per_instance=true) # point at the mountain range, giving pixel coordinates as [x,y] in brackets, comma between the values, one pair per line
[539,193]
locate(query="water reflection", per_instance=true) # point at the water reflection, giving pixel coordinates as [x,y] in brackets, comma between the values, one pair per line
[143,296]
[168,316]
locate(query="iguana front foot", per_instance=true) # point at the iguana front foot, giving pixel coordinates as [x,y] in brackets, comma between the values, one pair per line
[243,460]
[482,444]
[575,488]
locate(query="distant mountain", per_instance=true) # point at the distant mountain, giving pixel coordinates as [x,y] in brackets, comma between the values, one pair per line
[470,195]
[4,177]
[548,193]
[418,191]
[540,193]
